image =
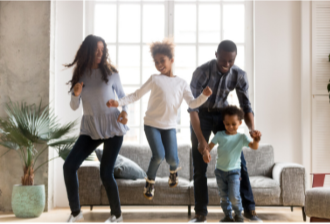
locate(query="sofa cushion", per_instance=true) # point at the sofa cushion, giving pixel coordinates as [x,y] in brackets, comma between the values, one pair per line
[89,183]
[259,162]
[263,182]
[266,191]
[131,192]
[124,167]
[141,154]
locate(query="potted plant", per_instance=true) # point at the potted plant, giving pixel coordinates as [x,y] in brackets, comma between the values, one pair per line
[30,130]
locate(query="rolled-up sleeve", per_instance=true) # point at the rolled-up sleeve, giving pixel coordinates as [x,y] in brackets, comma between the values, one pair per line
[242,90]
[146,87]
[196,85]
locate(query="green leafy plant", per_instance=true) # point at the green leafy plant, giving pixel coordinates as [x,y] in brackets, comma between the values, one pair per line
[29,127]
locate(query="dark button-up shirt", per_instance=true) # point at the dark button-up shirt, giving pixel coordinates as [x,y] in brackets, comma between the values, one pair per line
[221,84]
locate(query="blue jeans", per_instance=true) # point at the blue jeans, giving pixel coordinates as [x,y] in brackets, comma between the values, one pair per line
[163,144]
[212,122]
[228,185]
[84,146]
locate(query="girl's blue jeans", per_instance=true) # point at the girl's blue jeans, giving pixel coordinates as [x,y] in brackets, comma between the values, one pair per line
[163,145]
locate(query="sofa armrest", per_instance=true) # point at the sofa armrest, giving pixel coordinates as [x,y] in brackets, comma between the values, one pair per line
[292,179]
[89,183]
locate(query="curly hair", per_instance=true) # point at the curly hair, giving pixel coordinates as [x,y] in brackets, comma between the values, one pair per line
[166,47]
[84,59]
[231,111]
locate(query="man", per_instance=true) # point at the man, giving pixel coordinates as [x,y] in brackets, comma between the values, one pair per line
[222,76]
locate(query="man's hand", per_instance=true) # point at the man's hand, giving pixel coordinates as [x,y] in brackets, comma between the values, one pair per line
[207,91]
[202,146]
[122,118]
[256,135]
[112,103]
[78,88]
[206,156]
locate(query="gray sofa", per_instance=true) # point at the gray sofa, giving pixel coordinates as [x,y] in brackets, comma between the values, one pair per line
[273,184]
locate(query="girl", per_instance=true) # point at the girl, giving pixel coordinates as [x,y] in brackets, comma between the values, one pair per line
[94,81]
[167,93]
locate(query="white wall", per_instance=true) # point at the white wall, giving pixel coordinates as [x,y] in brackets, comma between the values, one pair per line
[68,37]
[277,77]
[305,88]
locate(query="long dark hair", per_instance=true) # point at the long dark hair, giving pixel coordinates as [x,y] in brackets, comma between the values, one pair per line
[85,57]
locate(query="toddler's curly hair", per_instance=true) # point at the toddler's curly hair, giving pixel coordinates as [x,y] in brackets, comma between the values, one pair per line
[166,47]
[231,111]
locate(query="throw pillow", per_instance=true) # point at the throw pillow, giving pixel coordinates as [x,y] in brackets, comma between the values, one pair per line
[124,167]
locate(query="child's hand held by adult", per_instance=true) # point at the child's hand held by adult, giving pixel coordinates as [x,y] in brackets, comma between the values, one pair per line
[207,91]
[256,135]
[207,156]
[112,103]
[122,118]
[78,88]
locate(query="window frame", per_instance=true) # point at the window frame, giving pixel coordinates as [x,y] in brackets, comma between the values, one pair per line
[169,7]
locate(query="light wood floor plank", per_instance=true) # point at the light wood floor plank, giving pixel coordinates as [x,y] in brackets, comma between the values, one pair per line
[157,214]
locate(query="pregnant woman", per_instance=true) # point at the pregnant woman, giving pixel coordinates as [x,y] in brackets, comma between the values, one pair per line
[94,82]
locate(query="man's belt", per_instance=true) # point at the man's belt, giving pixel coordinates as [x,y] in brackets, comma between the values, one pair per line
[210,110]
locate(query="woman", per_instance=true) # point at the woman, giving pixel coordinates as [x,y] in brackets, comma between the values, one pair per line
[94,81]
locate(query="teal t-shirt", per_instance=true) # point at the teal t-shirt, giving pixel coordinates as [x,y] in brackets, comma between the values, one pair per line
[229,150]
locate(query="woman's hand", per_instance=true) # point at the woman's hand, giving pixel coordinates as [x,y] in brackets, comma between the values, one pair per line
[122,118]
[207,91]
[78,88]
[112,103]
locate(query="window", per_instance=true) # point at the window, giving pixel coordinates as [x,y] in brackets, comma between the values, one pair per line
[197,27]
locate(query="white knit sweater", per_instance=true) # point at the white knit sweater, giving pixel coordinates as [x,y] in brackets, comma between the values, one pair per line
[165,99]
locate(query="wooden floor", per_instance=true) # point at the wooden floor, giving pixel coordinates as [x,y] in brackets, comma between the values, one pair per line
[157,214]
